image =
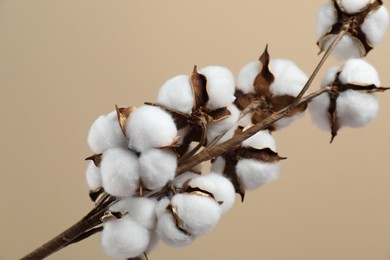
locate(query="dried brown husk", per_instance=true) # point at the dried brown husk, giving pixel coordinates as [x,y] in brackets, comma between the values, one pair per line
[123,114]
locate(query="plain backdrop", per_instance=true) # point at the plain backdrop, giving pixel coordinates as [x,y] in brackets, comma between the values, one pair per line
[65,62]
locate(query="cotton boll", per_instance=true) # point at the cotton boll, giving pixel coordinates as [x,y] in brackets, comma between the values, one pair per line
[358,71]
[220,86]
[141,210]
[247,76]
[93,176]
[157,167]
[375,25]
[355,109]
[354,6]
[218,185]
[218,166]
[318,109]
[215,129]
[183,178]
[289,79]
[169,233]
[124,238]
[106,133]
[161,206]
[327,16]
[260,140]
[176,94]
[345,49]
[120,173]
[150,127]
[253,174]
[198,213]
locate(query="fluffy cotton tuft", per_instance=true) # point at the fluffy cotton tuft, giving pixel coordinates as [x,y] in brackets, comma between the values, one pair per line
[355,109]
[318,109]
[359,71]
[120,173]
[220,86]
[218,166]
[247,76]
[124,238]
[327,16]
[218,185]
[183,178]
[93,176]
[141,210]
[354,6]
[260,140]
[169,233]
[177,94]
[150,127]
[216,129]
[289,79]
[157,167]
[253,174]
[375,25]
[198,213]
[345,49]
[106,133]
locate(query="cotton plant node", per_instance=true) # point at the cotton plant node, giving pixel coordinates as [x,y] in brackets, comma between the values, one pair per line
[145,176]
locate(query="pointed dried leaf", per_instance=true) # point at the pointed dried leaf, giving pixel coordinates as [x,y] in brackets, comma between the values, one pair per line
[96,158]
[265,78]
[94,194]
[242,100]
[334,123]
[123,114]
[198,84]
[371,88]
[264,155]
[230,172]
[219,114]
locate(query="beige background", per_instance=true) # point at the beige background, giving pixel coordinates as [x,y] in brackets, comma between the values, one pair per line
[64,63]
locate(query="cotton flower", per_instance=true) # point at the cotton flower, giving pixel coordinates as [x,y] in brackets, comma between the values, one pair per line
[106,133]
[93,176]
[220,86]
[368,21]
[157,167]
[124,238]
[150,127]
[177,94]
[120,172]
[218,185]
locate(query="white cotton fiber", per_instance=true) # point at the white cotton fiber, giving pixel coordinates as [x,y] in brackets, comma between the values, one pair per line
[106,133]
[345,49]
[359,71]
[169,233]
[375,25]
[318,109]
[326,17]
[354,6]
[246,120]
[124,238]
[218,185]
[120,173]
[252,173]
[355,109]
[247,75]
[330,76]
[198,213]
[260,140]
[141,210]
[289,79]
[154,239]
[220,86]
[177,94]
[161,206]
[218,166]
[157,167]
[150,127]
[93,176]
[180,180]
[215,129]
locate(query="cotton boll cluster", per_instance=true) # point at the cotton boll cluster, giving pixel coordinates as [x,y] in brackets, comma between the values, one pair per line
[353,104]
[367,21]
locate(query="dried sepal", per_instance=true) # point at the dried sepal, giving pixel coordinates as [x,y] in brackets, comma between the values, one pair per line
[96,158]
[123,114]
[265,155]
[179,223]
[265,77]
[218,114]
[199,88]
[94,194]
[109,215]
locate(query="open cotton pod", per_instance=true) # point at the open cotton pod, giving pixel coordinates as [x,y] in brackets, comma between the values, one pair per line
[124,238]
[120,172]
[93,176]
[367,22]
[150,127]
[352,101]
[106,133]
